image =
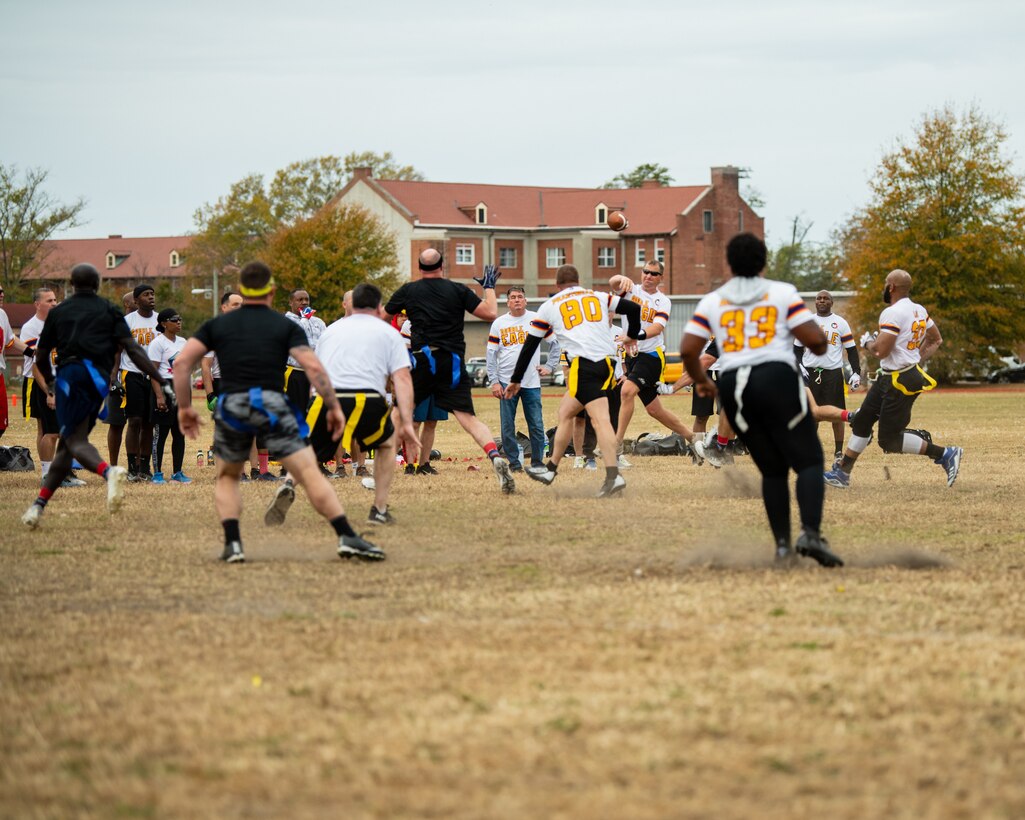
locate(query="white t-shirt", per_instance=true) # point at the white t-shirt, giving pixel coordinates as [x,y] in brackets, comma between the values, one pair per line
[751,320]
[838,336]
[360,352]
[907,321]
[6,336]
[506,338]
[215,366]
[314,328]
[30,333]
[655,309]
[580,320]
[144,330]
[407,333]
[163,352]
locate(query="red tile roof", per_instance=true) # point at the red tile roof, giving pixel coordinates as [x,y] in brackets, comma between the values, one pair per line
[649,210]
[141,258]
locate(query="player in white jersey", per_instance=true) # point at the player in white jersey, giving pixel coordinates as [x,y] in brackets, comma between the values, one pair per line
[644,370]
[163,351]
[297,385]
[755,321]
[138,393]
[360,354]
[580,320]
[505,340]
[825,372]
[906,338]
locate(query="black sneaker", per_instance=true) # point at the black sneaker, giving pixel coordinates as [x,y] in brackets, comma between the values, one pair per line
[785,556]
[409,470]
[812,545]
[612,486]
[362,471]
[278,509]
[340,472]
[426,469]
[354,546]
[254,474]
[243,478]
[233,553]
[378,517]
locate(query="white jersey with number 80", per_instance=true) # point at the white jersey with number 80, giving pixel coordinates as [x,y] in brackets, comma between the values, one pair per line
[580,320]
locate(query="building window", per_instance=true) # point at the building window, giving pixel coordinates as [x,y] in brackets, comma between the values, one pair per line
[555,257]
[176,259]
[482,214]
[706,221]
[639,255]
[111,261]
[464,254]
[507,258]
[660,251]
[740,220]
[601,214]
[606,257]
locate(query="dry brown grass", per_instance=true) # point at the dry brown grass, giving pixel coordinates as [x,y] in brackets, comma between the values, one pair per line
[545,655]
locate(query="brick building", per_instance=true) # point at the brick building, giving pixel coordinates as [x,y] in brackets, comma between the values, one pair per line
[530,231]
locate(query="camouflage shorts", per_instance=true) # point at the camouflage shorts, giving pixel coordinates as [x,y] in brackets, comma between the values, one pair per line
[237,422]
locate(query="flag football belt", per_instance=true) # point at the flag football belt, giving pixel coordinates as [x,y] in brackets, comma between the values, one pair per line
[256,403]
[432,363]
[99,382]
[911,380]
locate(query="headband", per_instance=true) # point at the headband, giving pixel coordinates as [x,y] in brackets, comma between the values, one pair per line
[253,293]
[433,266]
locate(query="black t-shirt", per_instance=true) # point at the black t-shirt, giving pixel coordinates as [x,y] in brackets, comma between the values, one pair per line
[86,326]
[252,345]
[436,309]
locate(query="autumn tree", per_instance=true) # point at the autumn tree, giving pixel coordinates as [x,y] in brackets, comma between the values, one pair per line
[947,207]
[639,175]
[331,252]
[29,216]
[809,266]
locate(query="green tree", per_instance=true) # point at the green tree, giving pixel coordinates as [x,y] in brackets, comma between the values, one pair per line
[29,216]
[329,253]
[382,166]
[809,266]
[947,207]
[639,175]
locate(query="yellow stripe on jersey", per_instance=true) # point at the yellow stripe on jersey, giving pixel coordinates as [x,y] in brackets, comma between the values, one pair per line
[611,380]
[571,382]
[314,412]
[353,420]
[288,372]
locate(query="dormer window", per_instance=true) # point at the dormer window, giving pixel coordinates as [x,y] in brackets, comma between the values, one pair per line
[176,259]
[601,214]
[482,214]
[111,261]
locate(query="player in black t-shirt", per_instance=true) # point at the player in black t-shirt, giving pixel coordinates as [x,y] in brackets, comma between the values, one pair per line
[252,345]
[86,330]
[436,308]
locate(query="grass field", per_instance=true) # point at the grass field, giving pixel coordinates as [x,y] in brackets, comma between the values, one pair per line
[543,655]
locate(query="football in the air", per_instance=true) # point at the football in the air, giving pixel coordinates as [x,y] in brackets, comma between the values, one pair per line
[617,221]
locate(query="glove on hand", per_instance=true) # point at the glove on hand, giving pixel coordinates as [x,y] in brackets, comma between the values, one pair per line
[168,391]
[867,337]
[664,389]
[490,277]
[854,381]
[211,401]
[116,389]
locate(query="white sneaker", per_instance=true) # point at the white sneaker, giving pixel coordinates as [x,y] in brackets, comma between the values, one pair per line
[579,462]
[117,477]
[279,506]
[31,517]
[505,477]
[622,463]
[369,483]
[611,488]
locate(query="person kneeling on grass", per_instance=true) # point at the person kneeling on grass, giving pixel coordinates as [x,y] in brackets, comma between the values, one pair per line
[253,343]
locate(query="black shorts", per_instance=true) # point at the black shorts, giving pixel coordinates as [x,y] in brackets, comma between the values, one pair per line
[116,405]
[589,380]
[444,377]
[297,387]
[706,406]
[367,422]
[274,424]
[645,370]
[827,387]
[81,402]
[33,398]
[139,399]
[888,405]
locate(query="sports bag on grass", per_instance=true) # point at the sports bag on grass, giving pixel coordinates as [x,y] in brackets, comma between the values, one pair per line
[16,460]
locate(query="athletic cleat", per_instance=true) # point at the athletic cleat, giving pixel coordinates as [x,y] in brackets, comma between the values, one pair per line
[837,478]
[612,486]
[951,462]
[591,465]
[505,476]
[785,556]
[158,478]
[716,456]
[181,478]
[545,475]
[409,470]
[134,478]
[837,457]
[426,469]
[32,515]
[354,546]
[362,471]
[368,483]
[814,546]
[838,463]
[622,463]
[579,462]
[233,553]
[266,477]
[278,509]
[72,481]
[339,472]
[697,459]
[243,478]
[145,478]
[117,477]
[378,517]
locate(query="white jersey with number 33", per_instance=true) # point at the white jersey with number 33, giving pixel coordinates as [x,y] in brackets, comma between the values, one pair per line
[751,330]
[580,320]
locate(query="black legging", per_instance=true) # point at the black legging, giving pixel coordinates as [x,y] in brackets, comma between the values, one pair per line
[168,423]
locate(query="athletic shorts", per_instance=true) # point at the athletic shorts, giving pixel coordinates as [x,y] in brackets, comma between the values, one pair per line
[367,422]
[297,386]
[704,405]
[645,370]
[427,410]
[33,398]
[589,380]
[139,399]
[80,403]
[445,380]
[276,426]
[827,386]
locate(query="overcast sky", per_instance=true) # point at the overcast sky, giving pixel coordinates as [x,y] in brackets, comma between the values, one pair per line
[150,110]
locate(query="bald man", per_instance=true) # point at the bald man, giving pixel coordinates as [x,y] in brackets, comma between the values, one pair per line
[436,307]
[907,337]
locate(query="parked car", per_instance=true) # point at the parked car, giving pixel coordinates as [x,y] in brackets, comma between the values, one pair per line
[674,368]
[557,377]
[477,370]
[1006,375]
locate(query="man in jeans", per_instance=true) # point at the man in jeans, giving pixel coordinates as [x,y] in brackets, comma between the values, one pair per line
[508,333]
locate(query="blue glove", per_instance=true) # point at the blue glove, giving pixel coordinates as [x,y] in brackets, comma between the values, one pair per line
[490,277]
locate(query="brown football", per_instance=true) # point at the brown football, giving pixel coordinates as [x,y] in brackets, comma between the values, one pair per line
[617,221]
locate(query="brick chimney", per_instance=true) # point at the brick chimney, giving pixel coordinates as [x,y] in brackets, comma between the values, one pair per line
[651,183]
[363,172]
[726,176]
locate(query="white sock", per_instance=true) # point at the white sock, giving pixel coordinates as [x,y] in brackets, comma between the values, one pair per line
[46,468]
